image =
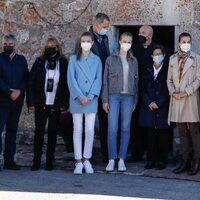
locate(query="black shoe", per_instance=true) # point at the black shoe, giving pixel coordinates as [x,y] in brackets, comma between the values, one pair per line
[150,165]
[135,158]
[93,161]
[35,167]
[49,166]
[195,167]
[11,166]
[130,160]
[105,159]
[160,165]
[184,166]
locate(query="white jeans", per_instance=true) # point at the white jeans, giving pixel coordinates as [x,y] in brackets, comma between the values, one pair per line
[89,134]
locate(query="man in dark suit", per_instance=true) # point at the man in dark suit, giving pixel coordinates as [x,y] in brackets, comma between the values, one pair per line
[142,52]
[101,48]
[13,82]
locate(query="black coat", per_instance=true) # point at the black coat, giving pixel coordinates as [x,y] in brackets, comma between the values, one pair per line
[95,48]
[154,91]
[36,91]
[13,75]
[143,56]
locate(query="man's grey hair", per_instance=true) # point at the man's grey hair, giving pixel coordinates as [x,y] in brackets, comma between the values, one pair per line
[10,37]
[100,17]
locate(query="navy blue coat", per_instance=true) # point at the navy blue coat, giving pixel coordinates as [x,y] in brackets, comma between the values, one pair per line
[101,50]
[13,75]
[154,91]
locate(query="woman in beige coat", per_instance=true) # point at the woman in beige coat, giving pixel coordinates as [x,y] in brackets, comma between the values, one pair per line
[183,83]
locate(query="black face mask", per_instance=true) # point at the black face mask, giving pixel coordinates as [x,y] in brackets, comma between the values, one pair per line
[50,51]
[8,49]
[141,39]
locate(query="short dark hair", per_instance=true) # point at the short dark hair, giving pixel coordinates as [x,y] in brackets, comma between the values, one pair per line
[11,37]
[158,46]
[184,34]
[78,49]
[100,17]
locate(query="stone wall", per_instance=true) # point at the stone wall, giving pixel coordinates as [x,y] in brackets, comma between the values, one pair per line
[33,21]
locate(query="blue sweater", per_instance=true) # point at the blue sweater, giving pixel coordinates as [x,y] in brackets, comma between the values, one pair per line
[13,75]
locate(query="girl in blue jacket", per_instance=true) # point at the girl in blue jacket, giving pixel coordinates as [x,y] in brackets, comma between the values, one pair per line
[84,81]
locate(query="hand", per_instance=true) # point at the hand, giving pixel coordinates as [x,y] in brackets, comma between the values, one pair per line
[106,107]
[84,101]
[154,105]
[183,94]
[134,106]
[31,109]
[15,94]
[176,96]
[150,106]
[179,95]
[62,109]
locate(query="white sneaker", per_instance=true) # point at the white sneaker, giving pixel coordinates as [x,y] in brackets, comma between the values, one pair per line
[111,165]
[78,168]
[121,166]
[88,167]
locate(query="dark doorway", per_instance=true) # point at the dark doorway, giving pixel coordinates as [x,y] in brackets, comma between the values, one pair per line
[164,35]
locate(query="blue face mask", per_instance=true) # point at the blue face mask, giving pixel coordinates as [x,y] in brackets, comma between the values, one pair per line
[103,31]
[158,59]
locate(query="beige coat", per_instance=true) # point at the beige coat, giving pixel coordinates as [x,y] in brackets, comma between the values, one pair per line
[186,109]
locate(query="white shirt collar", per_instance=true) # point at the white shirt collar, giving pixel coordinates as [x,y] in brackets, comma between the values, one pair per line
[156,71]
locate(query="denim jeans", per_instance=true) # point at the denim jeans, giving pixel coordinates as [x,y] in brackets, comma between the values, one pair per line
[119,104]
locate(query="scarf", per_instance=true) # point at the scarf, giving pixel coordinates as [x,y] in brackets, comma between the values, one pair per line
[182,58]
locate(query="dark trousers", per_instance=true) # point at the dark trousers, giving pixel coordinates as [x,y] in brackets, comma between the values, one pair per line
[9,118]
[158,145]
[138,141]
[103,129]
[189,139]
[41,117]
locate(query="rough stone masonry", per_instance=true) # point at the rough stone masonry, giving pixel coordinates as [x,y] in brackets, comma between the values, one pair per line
[33,21]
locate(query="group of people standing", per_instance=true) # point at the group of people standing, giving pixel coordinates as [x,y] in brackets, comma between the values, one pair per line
[138,89]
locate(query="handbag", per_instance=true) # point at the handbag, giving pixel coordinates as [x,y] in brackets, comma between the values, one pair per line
[66,129]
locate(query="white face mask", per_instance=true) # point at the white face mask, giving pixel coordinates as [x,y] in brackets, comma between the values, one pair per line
[185,47]
[125,46]
[158,59]
[103,31]
[86,46]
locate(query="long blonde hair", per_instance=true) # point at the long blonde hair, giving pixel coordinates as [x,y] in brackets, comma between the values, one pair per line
[54,40]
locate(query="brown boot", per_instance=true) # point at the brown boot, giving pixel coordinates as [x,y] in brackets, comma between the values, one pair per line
[195,167]
[184,166]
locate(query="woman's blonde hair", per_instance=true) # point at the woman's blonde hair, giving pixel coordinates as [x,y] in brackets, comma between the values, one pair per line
[52,39]
[129,53]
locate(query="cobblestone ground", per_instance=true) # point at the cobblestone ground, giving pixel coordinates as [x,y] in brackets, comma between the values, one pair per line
[64,160]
